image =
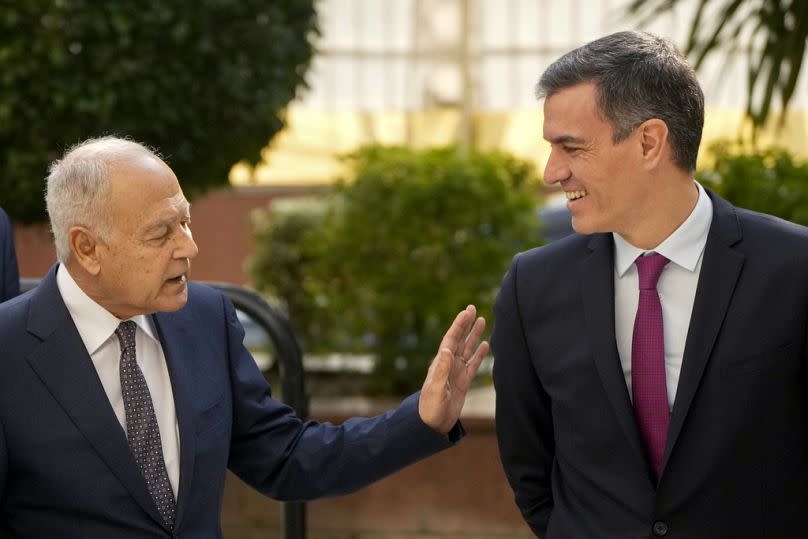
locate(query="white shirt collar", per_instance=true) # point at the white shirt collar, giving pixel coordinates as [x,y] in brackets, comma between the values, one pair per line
[94,323]
[683,247]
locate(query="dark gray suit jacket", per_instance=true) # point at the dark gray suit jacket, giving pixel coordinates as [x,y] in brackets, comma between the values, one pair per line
[736,461]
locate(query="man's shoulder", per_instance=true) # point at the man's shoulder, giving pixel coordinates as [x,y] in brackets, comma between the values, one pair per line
[15,318]
[555,264]
[770,245]
[761,229]
[203,291]
[16,309]
[204,300]
[766,222]
[560,251]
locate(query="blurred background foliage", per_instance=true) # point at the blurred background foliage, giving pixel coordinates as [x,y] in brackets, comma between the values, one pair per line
[381,265]
[205,81]
[780,26]
[384,263]
[770,180]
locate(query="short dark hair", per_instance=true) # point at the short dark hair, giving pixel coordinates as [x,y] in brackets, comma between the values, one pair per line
[638,76]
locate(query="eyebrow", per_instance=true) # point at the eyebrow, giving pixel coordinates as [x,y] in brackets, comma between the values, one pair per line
[566,139]
[167,222]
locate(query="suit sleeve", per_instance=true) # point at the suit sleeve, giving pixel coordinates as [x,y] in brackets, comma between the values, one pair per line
[289,459]
[9,274]
[523,410]
[805,356]
[3,462]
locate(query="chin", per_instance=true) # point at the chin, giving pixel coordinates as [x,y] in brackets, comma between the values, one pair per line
[590,226]
[174,304]
[581,227]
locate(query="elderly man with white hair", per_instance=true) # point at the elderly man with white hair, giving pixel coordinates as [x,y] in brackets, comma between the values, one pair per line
[125,390]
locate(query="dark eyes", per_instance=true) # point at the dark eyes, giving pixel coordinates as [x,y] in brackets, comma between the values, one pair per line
[571,149]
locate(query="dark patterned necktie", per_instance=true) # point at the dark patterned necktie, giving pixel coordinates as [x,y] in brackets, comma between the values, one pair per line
[141,426]
[648,383]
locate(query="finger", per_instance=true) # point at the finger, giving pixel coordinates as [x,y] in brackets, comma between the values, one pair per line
[477,359]
[459,329]
[473,338]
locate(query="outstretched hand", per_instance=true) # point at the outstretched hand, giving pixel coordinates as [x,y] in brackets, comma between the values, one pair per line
[450,374]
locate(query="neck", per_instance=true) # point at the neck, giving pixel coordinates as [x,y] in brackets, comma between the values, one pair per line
[89,285]
[670,205]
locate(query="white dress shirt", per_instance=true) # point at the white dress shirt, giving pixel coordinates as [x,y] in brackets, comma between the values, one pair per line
[676,286]
[97,327]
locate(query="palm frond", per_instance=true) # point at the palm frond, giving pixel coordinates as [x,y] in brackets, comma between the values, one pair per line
[774,66]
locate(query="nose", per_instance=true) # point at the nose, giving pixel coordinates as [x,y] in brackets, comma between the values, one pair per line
[556,169]
[186,246]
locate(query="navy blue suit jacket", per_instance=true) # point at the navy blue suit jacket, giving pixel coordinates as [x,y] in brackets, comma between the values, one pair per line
[736,459]
[65,466]
[9,274]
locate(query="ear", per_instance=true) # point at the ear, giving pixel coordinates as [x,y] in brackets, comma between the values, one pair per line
[84,245]
[654,141]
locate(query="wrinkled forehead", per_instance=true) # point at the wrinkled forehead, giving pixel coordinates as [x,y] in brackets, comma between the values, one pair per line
[179,202]
[169,213]
[144,186]
[172,209]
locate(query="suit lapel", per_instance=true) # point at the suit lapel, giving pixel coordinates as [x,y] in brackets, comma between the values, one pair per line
[178,347]
[597,289]
[65,368]
[720,270]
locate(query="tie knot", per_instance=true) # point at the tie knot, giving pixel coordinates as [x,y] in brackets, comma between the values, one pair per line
[126,334]
[650,268]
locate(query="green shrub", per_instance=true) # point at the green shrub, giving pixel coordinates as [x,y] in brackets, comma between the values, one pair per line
[394,253]
[285,237]
[206,82]
[771,181]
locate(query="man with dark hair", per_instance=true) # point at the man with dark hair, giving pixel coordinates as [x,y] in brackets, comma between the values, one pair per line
[651,369]
[9,274]
[126,390]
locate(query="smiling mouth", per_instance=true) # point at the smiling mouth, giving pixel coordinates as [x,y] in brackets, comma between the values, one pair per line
[176,280]
[575,195]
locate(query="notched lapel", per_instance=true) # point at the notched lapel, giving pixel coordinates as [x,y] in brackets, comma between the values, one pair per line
[179,346]
[65,368]
[597,289]
[720,271]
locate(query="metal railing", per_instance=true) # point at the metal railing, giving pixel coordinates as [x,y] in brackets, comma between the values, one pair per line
[290,366]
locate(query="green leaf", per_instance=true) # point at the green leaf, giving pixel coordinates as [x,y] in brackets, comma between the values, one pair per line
[773,69]
[201,81]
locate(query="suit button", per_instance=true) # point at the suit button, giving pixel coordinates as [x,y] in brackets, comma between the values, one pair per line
[660,529]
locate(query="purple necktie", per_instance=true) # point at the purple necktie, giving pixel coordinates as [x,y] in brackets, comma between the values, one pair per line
[648,387]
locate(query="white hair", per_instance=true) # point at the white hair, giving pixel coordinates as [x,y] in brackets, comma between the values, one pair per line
[78,187]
